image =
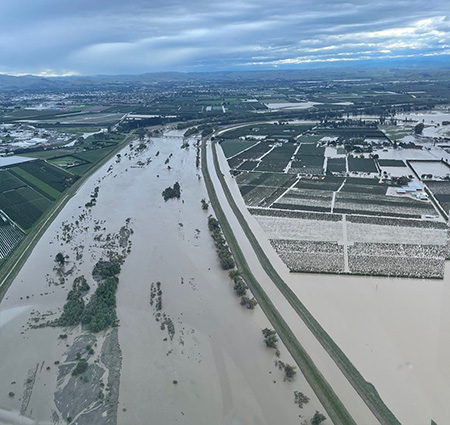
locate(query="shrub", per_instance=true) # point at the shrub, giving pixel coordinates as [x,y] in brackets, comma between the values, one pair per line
[318,418]
[270,337]
[80,368]
[250,303]
[290,371]
[169,192]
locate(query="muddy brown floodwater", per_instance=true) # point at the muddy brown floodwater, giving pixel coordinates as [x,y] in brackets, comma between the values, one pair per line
[394,330]
[190,354]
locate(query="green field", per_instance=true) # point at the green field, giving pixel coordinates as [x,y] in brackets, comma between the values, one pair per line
[364,165]
[8,181]
[24,205]
[233,147]
[35,182]
[67,161]
[336,165]
[270,130]
[29,189]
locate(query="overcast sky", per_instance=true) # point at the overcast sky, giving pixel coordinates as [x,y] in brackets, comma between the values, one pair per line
[88,37]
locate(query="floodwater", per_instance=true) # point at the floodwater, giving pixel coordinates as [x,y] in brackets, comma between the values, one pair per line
[437,169]
[216,369]
[394,330]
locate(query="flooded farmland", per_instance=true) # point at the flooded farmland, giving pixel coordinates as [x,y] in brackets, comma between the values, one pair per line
[392,329]
[197,357]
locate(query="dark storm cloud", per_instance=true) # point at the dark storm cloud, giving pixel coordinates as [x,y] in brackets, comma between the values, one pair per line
[110,37]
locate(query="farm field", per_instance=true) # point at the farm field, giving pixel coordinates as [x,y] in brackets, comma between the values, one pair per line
[441,191]
[10,237]
[334,224]
[269,130]
[344,244]
[29,189]
[233,147]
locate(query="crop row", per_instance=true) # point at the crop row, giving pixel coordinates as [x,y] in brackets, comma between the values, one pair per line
[305,246]
[306,202]
[49,174]
[295,214]
[294,229]
[424,224]
[247,165]
[379,189]
[10,236]
[255,151]
[308,193]
[255,196]
[273,165]
[323,184]
[397,250]
[316,263]
[336,165]
[301,207]
[310,150]
[307,166]
[362,165]
[357,207]
[24,213]
[441,191]
[391,163]
[8,181]
[397,266]
[266,179]
[382,199]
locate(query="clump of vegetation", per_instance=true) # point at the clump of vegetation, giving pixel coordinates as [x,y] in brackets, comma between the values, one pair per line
[289,371]
[74,307]
[270,338]
[190,132]
[419,128]
[80,368]
[79,288]
[100,312]
[205,204]
[172,192]
[104,269]
[60,259]
[249,303]
[197,156]
[223,251]
[318,418]
[206,130]
[155,291]
[11,394]
[72,312]
[300,399]
[94,196]
[239,286]
[185,145]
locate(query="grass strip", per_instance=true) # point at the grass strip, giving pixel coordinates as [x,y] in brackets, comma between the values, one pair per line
[334,407]
[365,389]
[37,183]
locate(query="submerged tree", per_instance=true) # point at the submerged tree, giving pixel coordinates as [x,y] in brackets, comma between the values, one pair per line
[318,418]
[60,259]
